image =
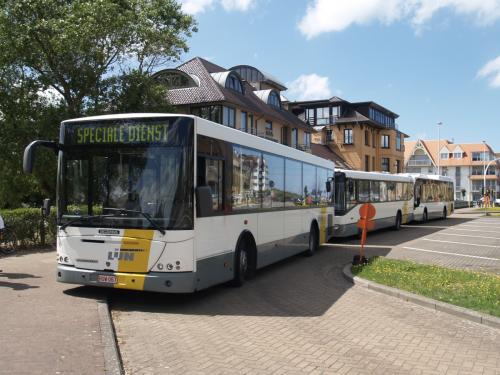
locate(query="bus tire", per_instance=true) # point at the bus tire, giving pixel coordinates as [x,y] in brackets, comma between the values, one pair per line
[445,213]
[399,220]
[240,264]
[245,259]
[425,216]
[313,243]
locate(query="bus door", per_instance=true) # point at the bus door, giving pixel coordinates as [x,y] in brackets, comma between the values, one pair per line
[339,193]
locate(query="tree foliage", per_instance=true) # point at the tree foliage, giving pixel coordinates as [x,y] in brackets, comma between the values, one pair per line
[92,56]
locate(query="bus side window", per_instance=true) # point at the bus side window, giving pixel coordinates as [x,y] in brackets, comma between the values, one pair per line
[210,173]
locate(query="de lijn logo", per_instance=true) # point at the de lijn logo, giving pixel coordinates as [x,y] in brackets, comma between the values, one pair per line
[127,256]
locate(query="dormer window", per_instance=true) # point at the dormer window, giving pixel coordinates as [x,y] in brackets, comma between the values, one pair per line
[444,153]
[274,100]
[176,79]
[234,83]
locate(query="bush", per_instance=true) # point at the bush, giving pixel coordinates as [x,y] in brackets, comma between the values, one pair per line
[27,223]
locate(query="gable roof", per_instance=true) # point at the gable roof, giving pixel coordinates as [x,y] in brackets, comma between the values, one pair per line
[432,147]
[210,92]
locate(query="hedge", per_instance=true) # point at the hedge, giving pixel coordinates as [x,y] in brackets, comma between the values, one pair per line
[28,226]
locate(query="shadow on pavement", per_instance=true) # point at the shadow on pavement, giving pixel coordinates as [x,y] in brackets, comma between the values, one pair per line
[390,237]
[296,287]
[17,276]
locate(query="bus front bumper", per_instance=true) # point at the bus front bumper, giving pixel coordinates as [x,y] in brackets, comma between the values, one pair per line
[165,282]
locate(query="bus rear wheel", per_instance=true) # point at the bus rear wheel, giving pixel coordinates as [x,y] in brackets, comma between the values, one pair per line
[399,219]
[425,217]
[240,265]
[313,241]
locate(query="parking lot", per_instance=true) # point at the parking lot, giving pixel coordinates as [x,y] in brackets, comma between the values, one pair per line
[302,316]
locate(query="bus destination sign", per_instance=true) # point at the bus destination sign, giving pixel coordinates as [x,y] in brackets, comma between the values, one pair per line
[102,134]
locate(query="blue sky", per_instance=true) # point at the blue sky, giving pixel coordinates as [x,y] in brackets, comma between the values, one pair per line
[427,60]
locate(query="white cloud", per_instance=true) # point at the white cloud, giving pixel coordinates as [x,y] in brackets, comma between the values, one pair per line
[241,5]
[326,16]
[200,6]
[491,70]
[309,87]
[195,6]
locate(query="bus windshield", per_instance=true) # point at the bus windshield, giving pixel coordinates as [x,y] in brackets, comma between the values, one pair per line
[142,179]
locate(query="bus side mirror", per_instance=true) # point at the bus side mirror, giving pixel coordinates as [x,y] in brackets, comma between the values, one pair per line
[328,186]
[29,153]
[204,201]
[46,207]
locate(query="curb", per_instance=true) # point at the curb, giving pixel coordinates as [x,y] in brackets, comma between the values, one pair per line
[461,312]
[112,359]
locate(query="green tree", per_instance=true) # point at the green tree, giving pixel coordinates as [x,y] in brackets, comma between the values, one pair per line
[95,55]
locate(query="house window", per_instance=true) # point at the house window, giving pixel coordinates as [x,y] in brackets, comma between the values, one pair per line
[399,141]
[233,83]
[244,126]
[367,163]
[295,137]
[273,100]
[398,166]
[212,113]
[323,116]
[348,137]
[374,140]
[269,128]
[373,163]
[367,138]
[443,155]
[329,136]
[228,116]
[310,116]
[384,141]
[307,140]
[253,130]
[457,155]
[385,165]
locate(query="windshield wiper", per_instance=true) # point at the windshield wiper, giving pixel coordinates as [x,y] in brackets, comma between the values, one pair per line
[83,218]
[123,211]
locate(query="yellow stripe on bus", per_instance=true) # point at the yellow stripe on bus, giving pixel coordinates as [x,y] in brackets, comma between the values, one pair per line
[134,250]
[322,225]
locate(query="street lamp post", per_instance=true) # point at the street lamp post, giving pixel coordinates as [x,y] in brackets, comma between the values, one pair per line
[484,176]
[439,146]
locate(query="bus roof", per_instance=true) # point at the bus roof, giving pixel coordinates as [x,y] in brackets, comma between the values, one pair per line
[125,116]
[377,176]
[422,176]
[225,133]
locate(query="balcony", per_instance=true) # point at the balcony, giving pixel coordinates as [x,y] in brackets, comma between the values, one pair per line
[303,147]
[267,134]
[318,121]
[252,131]
[419,162]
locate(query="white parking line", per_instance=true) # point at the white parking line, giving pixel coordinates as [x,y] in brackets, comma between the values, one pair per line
[450,228]
[466,235]
[446,253]
[355,245]
[479,226]
[459,243]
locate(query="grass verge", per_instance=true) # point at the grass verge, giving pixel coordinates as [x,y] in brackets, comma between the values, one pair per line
[490,209]
[478,291]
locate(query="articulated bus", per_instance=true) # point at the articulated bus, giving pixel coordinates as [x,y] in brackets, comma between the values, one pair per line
[176,203]
[433,196]
[390,194]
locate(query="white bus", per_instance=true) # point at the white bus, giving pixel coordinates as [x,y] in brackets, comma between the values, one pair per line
[390,194]
[176,203]
[434,196]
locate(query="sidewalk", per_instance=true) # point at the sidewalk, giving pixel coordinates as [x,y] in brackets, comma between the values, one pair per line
[46,327]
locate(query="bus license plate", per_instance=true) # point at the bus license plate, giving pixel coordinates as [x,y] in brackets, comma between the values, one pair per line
[108,279]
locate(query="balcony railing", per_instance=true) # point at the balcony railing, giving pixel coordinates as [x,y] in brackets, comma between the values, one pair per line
[303,147]
[419,163]
[267,134]
[317,121]
[252,131]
